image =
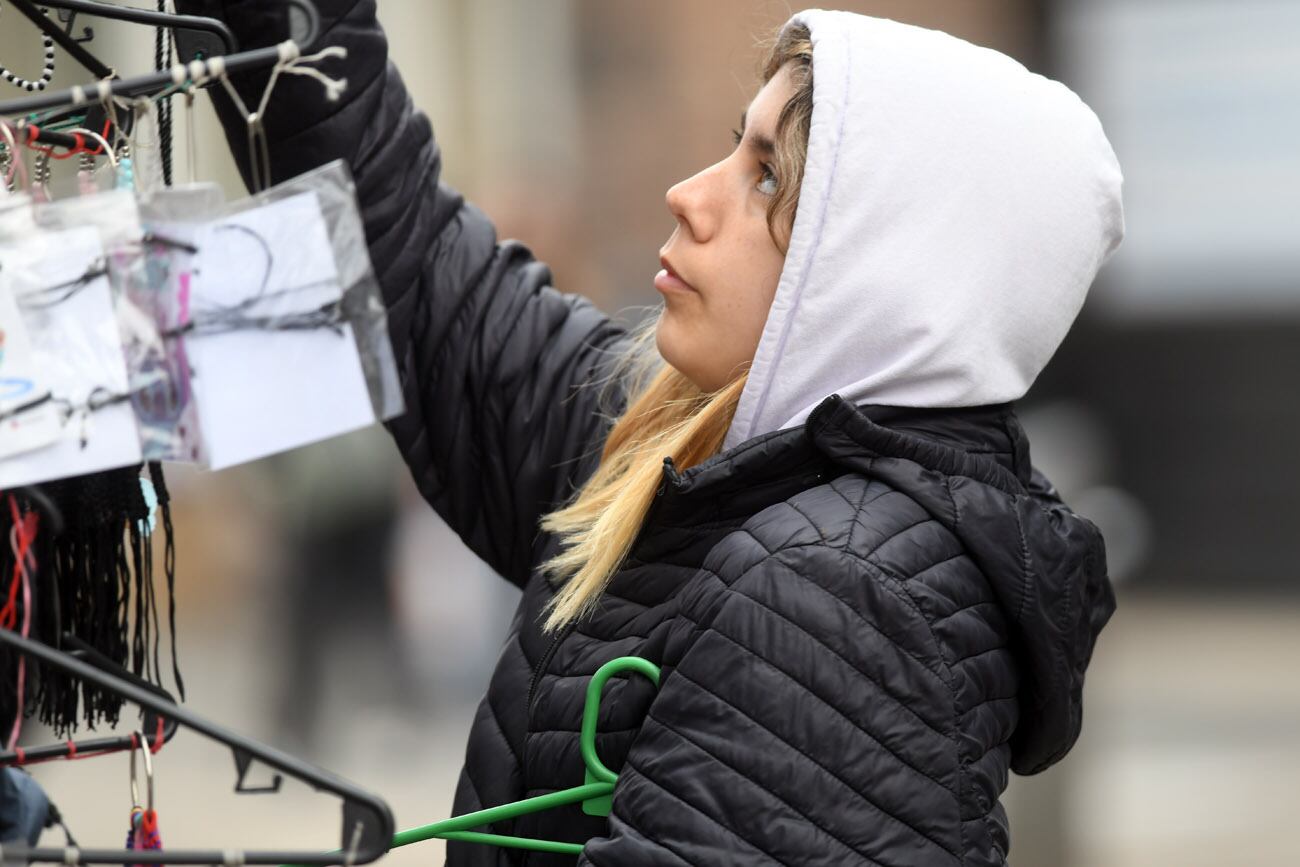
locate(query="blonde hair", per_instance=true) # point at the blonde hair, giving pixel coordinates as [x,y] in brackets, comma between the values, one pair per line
[668,416]
[793,46]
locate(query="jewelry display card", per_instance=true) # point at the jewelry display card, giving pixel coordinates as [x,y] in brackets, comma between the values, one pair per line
[275,365]
[77,349]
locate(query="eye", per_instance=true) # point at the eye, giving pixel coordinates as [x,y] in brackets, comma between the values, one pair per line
[768,184]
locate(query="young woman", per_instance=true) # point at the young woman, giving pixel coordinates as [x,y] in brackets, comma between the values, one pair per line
[804,493]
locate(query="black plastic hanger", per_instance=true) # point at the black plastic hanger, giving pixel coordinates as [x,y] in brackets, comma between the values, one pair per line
[52,29]
[113,12]
[367,827]
[157,729]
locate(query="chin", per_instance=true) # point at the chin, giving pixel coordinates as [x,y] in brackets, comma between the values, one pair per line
[693,356]
[670,344]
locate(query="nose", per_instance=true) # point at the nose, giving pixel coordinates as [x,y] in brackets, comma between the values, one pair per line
[694,202]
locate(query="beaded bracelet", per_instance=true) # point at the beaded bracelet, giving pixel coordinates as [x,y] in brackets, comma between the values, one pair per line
[47,74]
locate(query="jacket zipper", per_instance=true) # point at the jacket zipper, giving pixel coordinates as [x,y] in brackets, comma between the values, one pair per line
[545,661]
[540,668]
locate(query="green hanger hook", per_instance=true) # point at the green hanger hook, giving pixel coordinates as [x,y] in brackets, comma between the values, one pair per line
[596,794]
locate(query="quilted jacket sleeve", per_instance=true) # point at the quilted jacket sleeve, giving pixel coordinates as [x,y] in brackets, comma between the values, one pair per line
[806,724]
[492,358]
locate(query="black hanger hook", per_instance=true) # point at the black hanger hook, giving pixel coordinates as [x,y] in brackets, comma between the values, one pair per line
[113,12]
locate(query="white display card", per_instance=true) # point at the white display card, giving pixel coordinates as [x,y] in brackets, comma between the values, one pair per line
[77,350]
[260,388]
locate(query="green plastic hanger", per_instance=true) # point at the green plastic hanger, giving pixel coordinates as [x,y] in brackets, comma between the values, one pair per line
[596,794]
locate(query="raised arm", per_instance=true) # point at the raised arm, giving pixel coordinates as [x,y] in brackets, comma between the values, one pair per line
[493,360]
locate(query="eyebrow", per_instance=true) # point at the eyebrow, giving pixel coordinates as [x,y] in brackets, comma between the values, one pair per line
[758,141]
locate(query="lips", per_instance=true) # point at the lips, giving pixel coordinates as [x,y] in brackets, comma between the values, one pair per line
[668,280]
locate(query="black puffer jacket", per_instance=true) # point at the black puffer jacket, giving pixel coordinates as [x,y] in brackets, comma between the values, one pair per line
[863,623]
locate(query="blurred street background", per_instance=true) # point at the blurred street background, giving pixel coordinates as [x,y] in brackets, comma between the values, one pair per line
[323,608]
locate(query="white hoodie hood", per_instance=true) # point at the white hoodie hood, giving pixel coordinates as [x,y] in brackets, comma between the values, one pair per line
[955,208]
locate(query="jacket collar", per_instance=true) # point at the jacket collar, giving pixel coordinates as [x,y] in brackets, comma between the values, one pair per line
[983,443]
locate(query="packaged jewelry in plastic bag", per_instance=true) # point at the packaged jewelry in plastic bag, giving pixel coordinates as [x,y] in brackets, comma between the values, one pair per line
[146,296]
[59,283]
[275,359]
[171,218]
[363,304]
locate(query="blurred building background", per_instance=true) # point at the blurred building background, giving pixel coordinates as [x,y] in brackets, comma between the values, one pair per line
[1170,417]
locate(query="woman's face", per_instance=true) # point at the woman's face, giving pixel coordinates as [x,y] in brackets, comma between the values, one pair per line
[721,266]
